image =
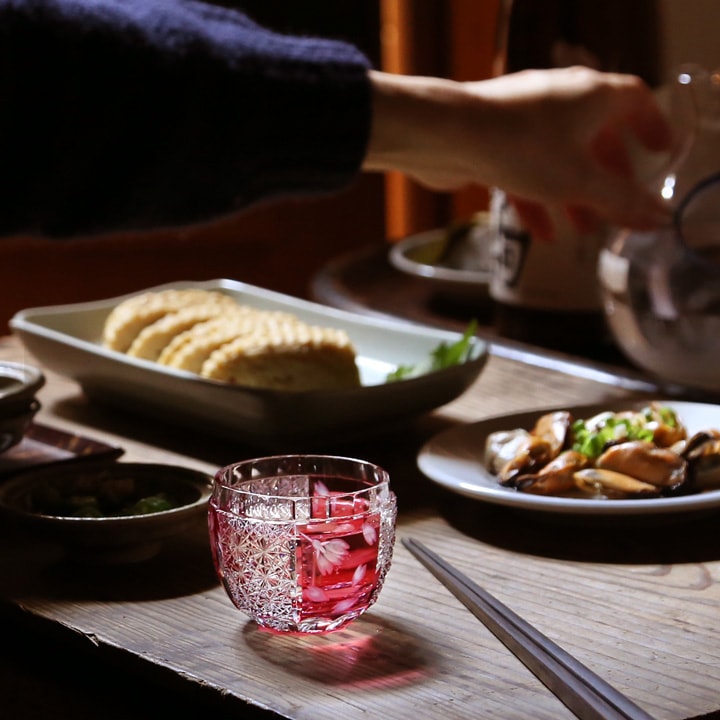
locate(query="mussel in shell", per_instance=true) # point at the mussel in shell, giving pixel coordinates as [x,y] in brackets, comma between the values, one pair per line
[557,477]
[661,467]
[628,454]
[501,447]
[702,453]
[532,454]
[554,428]
[666,426]
[634,469]
[602,482]
[510,454]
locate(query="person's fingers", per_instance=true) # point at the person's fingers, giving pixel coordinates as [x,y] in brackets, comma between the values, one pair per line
[624,201]
[637,108]
[613,189]
[650,126]
[610,150]
[534,218]
[582,219]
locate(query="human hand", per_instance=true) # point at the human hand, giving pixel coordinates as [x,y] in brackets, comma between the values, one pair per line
[548,138]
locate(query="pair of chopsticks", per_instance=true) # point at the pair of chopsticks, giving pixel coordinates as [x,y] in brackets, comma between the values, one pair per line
[584,692]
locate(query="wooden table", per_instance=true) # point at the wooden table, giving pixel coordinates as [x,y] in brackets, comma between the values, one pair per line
[636,601]
[364,280]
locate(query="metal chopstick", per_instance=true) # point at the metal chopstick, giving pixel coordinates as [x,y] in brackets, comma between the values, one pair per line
[584,692]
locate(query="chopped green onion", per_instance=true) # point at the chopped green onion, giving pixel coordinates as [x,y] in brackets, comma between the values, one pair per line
[592,443]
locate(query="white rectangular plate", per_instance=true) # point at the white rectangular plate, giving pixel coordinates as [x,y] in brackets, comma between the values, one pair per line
[67,340]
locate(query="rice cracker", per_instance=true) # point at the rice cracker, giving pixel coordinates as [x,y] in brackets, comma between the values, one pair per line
[130,317]
[287,357]
[190,349]
[154,338]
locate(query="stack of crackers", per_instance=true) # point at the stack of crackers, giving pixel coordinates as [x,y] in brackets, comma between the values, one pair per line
[212,335]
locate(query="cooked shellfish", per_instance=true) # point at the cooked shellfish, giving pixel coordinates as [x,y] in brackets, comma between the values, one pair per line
[702,452]
[557,477]
[501,447]
[643,461]
[629,454]
[532,454]
[608,483]
[554,429]
[511,453]
[666,426]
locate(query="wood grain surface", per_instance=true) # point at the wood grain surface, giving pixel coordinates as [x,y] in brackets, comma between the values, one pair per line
[636,601]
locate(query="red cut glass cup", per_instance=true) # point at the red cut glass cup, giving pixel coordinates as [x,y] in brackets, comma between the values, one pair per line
[302,543]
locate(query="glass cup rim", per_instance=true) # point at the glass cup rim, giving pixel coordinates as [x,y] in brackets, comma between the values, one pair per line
[239,487]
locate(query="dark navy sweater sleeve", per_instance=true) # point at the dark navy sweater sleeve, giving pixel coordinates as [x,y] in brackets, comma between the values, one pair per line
[120,114]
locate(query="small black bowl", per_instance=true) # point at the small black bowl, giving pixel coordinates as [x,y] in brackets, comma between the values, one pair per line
[13,427]
[106,512]
[18,385]
[18,406]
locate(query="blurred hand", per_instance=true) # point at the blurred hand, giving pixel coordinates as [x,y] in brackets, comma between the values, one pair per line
[548,138]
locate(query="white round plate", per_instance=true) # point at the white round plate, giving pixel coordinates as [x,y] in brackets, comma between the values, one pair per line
[454,460]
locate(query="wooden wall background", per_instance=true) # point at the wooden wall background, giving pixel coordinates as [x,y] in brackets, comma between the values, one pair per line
[458,39]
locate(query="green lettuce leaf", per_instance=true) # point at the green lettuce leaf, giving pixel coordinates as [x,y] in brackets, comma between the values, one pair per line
[441,357]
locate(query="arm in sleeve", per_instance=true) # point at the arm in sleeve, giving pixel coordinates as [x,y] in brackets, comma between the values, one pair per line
[120,114]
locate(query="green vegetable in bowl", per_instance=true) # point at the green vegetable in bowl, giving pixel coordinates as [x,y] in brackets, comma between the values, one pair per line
[441,357]
[152,504]
[99,497]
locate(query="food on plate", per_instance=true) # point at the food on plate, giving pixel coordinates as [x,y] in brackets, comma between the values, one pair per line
[153,339]
[286,357]
[189,349]
[131,316]
[212,335]
[630,454]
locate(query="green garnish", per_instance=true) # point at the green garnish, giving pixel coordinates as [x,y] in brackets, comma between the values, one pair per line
[667,415]
[151,504]
[103,503]
[592,442]
[442,356]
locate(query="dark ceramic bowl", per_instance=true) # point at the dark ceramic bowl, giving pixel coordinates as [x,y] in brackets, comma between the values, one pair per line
[18,385]
[18,406]
[106,511]
[13,427]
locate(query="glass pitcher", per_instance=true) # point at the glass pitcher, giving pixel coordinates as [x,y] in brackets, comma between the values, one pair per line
[661,290]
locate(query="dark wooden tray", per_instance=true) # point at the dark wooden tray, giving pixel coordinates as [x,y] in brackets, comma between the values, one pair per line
[42,445]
